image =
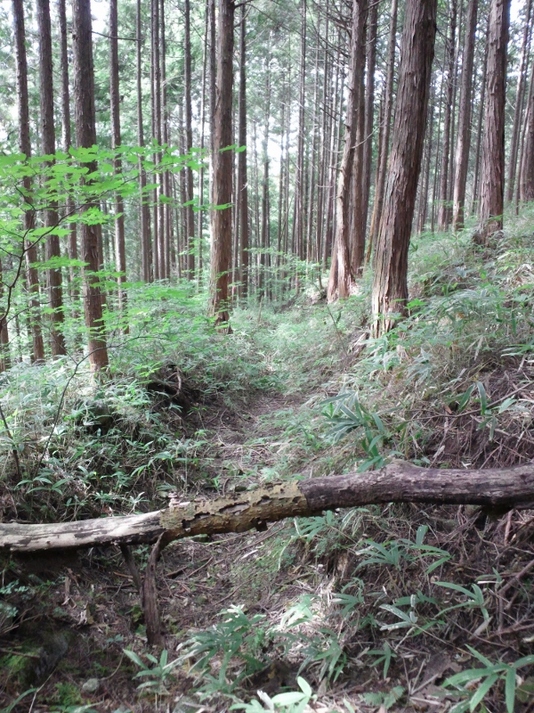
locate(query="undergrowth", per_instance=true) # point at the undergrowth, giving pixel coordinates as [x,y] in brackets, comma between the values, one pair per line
[390,608]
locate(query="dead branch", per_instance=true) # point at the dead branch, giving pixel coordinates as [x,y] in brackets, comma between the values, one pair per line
[397,482]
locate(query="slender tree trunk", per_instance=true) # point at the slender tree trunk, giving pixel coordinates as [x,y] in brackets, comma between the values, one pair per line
[358,227]
[388,110]
[242,178]
[390,286]
[519,102]
[164,212]
[265,194]
[190,216]
[144,210]
[5,357]
[30,247]
[221,254]
[369,110]
[155,90]
[84,95]
[480,122]
[526,177]
[298,213]
[48,137]
[444,212]
[341,275]
[114,95]
[201,172]
[491,204]
[464,123]
[67,140]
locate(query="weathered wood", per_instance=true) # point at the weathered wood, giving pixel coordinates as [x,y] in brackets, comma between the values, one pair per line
[396,482]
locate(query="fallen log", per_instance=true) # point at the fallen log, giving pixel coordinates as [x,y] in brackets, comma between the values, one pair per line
[396,482]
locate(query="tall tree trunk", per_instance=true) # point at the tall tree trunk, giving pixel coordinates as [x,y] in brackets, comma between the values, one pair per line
[480,122]
[526,177]
[5,357]
[444,213]
[155,91]
[164,213]
[491,204]
[358,227]
[519,102]
[144,210]
[341,275]
[390,286]
[265,195]
[67,140]
[298,213]
[369,109]
[242,179]
[190,216]
[388,110]
[221,252]
[114,96]
[464,122]
[30,247]
[48,137]
[84,96]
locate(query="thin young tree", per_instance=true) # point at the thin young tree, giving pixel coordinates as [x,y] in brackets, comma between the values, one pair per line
[390,285]
[30,247]
[84,105]
[491,202]
[221,217]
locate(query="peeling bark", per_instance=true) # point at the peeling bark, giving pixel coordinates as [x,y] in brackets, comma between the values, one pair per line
[396,482]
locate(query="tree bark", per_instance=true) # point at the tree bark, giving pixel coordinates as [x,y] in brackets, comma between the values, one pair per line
[30,248]
[48,137]
[390,286]
[526,178]
[67,141]
[84,94]
[491,203]
[341,275]
[114,97]
[190,216]
[519,102]
[399,482]
[144,210]
[445,213]
[388,110]
[221,252]
[463,140]
[242,179]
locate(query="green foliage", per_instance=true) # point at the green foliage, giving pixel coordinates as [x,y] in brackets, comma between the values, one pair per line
[476,683]
[290,702]
[157,672]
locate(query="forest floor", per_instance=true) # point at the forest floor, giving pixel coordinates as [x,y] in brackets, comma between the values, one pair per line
[390,608]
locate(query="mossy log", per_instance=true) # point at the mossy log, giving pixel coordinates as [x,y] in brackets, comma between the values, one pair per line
[502,488]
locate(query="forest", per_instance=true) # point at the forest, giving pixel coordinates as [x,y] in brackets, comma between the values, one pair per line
[266,372]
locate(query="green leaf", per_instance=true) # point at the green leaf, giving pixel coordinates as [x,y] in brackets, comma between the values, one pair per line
[509,689]
[482,691]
